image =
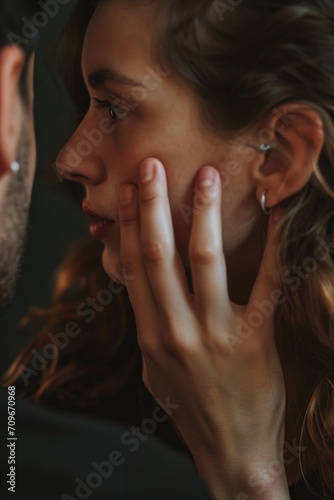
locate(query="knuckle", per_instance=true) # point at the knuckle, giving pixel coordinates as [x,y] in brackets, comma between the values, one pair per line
[182,347]
[149,198]
[128,221]
[217,343]
[130,263]
[154,251]
[203,256]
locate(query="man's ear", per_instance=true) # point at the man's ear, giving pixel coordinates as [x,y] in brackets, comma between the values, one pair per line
[298,137]
[11,108]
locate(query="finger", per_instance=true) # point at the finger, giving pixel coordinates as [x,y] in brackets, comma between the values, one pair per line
[266,294]
[163,265]
[138,287]
[206,248]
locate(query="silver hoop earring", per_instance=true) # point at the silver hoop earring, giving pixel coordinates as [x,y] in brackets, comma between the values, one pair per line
[15,167]
[267,211]
[264,148]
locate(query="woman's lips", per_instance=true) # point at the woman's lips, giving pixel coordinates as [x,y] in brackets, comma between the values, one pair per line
[99,227]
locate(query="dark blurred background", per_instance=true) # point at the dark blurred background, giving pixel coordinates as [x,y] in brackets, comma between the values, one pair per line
[56,220]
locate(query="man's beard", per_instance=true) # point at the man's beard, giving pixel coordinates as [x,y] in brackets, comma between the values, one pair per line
[13,225]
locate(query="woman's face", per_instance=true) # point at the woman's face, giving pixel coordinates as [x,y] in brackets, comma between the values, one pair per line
[163,121]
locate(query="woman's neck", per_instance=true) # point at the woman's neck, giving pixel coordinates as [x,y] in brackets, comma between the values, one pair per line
[243,267]
[243,262]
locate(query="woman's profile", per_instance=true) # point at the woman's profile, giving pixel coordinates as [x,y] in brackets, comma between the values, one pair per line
[206,152]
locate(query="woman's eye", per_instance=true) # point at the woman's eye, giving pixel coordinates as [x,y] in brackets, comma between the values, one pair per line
[116,112]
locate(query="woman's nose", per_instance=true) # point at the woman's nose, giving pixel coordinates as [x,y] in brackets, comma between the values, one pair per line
[78,160]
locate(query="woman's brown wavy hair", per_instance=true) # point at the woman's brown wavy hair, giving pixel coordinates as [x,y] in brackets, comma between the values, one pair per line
[244,59]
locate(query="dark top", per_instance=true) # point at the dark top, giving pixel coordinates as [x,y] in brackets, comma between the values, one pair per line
[60,456]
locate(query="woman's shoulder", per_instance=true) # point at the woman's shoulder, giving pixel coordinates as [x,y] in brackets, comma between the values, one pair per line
[310,488]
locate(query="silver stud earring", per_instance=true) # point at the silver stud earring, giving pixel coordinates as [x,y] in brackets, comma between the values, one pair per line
[267,211]
[264,148]
[15,167]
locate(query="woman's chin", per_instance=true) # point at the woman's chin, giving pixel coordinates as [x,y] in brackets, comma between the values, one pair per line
[112,265]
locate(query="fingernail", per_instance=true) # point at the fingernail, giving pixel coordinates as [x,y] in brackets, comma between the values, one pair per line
[206,177]
[277,213]
[147,172]
[126,195]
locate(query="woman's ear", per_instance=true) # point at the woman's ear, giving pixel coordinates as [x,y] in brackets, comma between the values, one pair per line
[11,110]
[297,132]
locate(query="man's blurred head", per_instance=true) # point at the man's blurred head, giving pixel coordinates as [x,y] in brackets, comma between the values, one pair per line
[17,140]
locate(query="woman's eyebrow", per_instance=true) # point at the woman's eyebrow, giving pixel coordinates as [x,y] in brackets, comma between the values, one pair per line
[101,77]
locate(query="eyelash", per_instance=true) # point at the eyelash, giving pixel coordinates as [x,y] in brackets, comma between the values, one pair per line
[112,108]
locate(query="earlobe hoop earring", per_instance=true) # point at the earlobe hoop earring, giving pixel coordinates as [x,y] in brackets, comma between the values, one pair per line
[267,211]
[15,167]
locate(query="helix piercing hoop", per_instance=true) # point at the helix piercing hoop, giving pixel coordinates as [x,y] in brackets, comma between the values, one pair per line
[15,167]
[267,211]
[264,148]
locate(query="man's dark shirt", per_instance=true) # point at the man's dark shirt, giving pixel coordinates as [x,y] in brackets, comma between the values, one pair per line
[62,456]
